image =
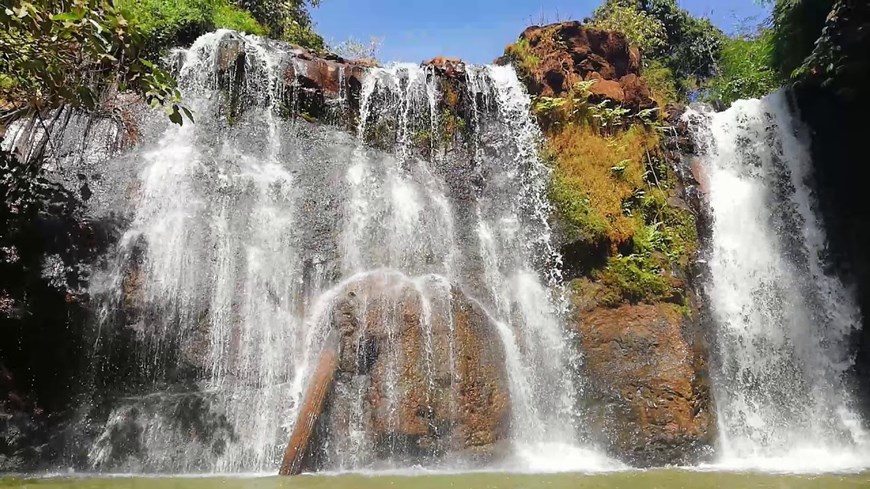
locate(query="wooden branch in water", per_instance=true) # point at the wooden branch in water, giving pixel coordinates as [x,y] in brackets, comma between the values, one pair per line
[312,407]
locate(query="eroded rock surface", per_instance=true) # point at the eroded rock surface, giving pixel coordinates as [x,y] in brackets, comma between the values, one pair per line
[421,374]
[558,56]
[649,402]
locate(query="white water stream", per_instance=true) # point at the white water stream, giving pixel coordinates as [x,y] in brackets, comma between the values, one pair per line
[782,324]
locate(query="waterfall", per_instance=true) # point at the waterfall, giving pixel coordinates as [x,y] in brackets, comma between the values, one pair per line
[782,321]
[250,234]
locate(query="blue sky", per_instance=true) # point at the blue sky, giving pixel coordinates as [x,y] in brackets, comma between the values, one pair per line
[474,30]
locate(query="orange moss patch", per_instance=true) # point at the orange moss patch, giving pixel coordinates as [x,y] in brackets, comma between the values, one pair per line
[603,174]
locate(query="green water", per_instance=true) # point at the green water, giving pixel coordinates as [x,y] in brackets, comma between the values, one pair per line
[673,479]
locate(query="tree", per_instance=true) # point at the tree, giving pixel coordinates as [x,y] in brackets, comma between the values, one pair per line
[688,46]
[288,20]
[642,30]
[354,49]
[693,44]
[72,53]
[796,25]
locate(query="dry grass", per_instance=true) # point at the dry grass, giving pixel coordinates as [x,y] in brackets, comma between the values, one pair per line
[605,173]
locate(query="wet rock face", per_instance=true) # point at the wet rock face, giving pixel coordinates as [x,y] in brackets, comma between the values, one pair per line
[569,52]
[311,82]
[421,374]
[649,400]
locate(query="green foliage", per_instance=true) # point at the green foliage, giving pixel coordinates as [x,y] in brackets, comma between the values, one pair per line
[642,30]
[665,238]
[693,43]
[582,222]
[661,82]
[745,69]
[669,230]
[634,278]
[170,23]
[231,17]
[56,53]
[796,25]
[287,20]
[681,52]
[524,60]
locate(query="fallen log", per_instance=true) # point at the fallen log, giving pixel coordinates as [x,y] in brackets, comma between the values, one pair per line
[313,404]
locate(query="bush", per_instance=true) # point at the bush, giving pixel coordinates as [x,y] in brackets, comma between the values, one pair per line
[661,82]
[287,20]
[642,30]
[745,69]
[52,57]
[171,23]
[796,25]
[522,57]
[693,43]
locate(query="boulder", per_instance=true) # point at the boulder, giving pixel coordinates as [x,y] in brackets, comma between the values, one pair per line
[449,67]
[648,393]
[421,373]
[566,53]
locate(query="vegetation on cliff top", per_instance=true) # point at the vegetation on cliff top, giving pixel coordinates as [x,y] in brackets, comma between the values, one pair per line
[611,190]
[613,196]
[177,23]
[688,46]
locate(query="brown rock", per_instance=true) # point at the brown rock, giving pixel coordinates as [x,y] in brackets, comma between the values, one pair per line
[420,367]
[606,90]
[637,92]
[449,67]
[650,401]
[569,52]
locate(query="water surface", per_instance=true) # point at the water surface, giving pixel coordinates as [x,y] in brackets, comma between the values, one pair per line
[669,479]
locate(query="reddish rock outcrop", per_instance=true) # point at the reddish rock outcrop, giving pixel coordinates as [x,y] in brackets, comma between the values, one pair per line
[420,369]
[449,67]
[649,401]
[310,79]
[558,56]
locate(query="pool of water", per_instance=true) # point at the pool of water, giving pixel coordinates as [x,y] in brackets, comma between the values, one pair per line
[658,479]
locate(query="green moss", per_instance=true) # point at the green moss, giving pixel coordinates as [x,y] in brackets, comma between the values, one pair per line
[672,230]
[580,220]
[613,193]
[524,60]
[634,278]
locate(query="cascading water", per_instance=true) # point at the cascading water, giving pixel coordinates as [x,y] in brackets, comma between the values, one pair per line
[782,324]
[252,234]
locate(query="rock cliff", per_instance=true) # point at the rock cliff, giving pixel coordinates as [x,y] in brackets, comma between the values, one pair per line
[635,311]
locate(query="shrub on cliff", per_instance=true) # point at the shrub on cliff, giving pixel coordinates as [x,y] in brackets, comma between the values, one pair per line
[169,23]
[795,27]
[287,20]
[746,69]
[688,46]
[56,53]
[642,29]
